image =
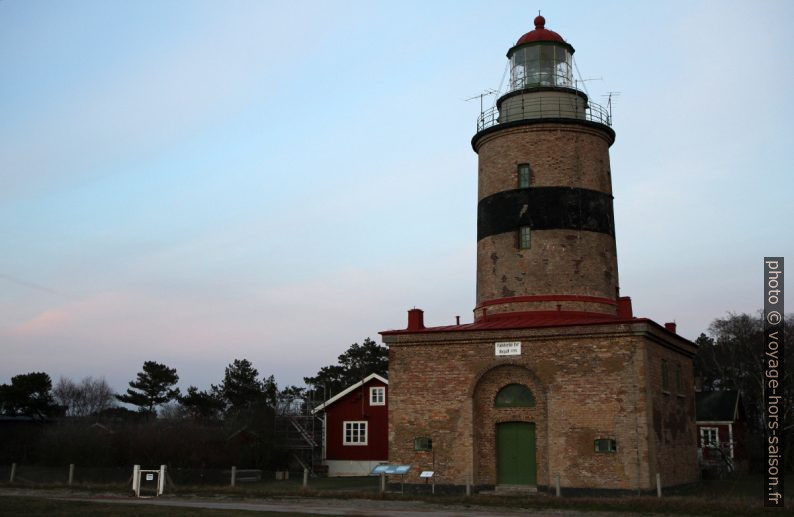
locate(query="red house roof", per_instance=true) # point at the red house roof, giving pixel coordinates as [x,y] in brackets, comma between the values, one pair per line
[349,389]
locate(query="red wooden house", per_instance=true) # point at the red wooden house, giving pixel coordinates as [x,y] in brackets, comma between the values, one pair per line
[355,427]
[721,428]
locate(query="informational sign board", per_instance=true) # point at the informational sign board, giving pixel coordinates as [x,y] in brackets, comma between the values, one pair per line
[507,348]
[149,477]
[390,470]
[426,474]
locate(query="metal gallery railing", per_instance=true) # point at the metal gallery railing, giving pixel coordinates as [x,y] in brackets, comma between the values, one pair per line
[542,107]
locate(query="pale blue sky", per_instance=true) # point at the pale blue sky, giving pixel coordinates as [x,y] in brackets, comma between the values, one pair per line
[193,182]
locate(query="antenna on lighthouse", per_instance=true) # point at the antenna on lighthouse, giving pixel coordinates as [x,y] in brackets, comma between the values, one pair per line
[489,91]
[580,80]
[609,96]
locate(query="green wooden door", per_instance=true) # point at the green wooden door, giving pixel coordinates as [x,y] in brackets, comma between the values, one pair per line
[515,453]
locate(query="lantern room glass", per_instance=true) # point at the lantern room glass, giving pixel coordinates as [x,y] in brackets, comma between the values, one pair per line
[540,64]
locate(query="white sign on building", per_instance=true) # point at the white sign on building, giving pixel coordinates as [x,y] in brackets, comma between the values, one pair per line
[507,348]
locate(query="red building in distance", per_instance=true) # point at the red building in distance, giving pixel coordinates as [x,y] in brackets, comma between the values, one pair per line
[355,427]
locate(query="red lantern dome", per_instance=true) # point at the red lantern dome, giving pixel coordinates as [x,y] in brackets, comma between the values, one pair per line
[540,33]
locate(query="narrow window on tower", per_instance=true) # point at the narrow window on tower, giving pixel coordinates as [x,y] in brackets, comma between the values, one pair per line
[524,238]
[665,378]
[524,175]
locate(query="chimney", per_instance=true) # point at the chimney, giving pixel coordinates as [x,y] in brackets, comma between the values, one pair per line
[457,320]
[671,326]
[625,311]
[416,319]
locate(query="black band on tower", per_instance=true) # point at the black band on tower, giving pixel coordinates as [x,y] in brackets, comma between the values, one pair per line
[545,208]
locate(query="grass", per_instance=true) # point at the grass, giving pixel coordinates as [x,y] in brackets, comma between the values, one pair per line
[740,496]
[19,505]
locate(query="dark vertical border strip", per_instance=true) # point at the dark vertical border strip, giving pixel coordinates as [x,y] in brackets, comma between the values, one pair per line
[774,401]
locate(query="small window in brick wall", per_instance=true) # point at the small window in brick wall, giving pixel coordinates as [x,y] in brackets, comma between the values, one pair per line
[606,445]
[679,385]
[524,175]
[423,444]
[524,237]
[665,377]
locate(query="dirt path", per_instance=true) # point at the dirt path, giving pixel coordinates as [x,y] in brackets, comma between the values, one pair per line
[357,507]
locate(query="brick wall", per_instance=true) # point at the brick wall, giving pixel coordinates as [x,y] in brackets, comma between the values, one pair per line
[672,416]
[589,382]
[560,155]
[558,261]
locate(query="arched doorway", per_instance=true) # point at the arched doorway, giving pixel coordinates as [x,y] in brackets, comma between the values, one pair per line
[509,427]
[515,441]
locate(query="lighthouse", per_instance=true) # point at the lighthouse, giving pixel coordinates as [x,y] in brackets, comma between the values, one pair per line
[555,381]
[545,224]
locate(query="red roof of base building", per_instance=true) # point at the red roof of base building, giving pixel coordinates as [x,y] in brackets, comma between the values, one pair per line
[530,319]
[540,33]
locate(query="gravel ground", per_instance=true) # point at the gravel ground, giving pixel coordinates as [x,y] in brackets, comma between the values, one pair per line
[359,507]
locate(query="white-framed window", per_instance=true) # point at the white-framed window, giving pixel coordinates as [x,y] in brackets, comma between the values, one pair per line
[377,396]
[709,436]
[355,433]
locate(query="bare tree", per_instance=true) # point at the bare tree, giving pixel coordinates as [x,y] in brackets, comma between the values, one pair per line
[88,397]
[732,357]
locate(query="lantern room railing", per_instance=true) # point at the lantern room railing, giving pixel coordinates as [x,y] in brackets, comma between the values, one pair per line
[540,108]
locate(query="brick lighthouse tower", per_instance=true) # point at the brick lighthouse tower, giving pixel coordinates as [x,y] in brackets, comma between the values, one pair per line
[545,227]
[555,379]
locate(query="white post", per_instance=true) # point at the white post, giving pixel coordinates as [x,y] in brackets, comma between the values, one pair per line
[161,481]
[71,473]
[136,480]
[557,484]
[13,472]
[658,485]
[234,475]
[468,484]
[382,482]
[305,478]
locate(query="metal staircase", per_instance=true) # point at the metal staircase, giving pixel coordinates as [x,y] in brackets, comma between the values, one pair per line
[301,433]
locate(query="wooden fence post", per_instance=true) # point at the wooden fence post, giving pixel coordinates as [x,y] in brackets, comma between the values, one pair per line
[161,480]
[136,480]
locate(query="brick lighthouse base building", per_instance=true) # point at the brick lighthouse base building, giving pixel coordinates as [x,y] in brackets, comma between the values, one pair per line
[611,403]
[555,381]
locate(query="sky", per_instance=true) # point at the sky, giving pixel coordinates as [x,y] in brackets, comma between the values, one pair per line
[193,182]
